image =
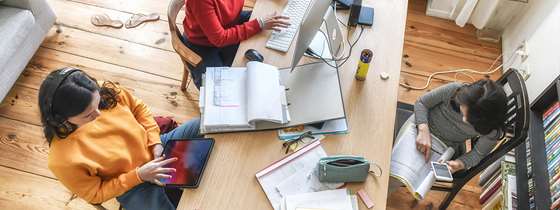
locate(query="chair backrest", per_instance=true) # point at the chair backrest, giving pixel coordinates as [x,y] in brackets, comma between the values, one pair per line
[517,123]
[186,54]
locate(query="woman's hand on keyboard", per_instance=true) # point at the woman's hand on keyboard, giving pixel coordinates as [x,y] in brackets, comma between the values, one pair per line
[274,22]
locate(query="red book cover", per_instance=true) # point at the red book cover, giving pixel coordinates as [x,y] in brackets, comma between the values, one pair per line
[551,109]
[484,197]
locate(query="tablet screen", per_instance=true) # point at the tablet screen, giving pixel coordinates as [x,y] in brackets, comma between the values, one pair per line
[192,156]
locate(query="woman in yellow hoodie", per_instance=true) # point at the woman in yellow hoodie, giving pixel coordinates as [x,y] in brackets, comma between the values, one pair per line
[104,142]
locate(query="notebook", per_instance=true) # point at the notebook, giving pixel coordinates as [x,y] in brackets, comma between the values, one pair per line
[237,98]
[307,95]
[294,174]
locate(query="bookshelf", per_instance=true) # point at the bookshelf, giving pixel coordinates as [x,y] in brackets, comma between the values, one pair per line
[532,173]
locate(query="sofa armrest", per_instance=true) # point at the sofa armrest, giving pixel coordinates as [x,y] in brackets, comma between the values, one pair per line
[40,9]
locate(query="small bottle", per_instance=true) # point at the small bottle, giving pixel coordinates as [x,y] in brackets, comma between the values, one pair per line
[363,65]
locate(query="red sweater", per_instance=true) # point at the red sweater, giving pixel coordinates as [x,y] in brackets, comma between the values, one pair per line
[212,22]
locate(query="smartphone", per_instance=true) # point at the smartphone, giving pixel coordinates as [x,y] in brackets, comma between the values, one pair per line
[441,171]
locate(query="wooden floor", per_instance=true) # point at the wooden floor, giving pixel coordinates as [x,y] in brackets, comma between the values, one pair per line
[142,60]
[431,45]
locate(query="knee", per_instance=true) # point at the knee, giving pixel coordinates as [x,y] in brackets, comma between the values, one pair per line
[193,127]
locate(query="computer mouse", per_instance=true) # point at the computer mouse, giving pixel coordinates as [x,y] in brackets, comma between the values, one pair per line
[254,55]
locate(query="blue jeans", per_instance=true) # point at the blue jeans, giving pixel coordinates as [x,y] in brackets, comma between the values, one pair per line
[148,196]
[213,56]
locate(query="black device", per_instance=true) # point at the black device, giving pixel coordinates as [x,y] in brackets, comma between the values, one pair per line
[366,16]
[254,55]
[355,10]
[192,157]
[343,4]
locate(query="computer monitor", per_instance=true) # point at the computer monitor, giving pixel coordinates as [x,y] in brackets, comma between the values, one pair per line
[310,26]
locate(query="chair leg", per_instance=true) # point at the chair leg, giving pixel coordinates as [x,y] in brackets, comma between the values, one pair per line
[450,196]
[98,207]
[185,79]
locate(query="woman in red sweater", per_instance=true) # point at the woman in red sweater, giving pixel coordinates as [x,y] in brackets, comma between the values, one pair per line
[214,29]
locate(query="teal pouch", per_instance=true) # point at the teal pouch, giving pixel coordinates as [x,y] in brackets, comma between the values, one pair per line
[344,168]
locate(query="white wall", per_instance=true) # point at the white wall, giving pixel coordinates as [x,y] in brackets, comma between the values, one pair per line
[540,27]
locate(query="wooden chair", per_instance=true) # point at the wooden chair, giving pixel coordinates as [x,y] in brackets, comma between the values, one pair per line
[517,125]
[186,54]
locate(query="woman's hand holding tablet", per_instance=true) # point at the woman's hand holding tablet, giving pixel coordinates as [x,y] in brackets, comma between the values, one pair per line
[192,156]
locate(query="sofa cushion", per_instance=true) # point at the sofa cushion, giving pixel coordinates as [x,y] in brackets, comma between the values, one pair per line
[15,26]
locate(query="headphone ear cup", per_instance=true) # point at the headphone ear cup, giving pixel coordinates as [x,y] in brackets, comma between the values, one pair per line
[64,128]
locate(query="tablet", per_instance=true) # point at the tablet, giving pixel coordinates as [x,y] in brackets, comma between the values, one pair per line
[192,157]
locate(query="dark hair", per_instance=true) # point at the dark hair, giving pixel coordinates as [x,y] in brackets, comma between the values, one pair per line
[487,105]
[70,98]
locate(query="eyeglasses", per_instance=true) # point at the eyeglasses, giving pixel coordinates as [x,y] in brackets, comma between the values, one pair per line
[304,138]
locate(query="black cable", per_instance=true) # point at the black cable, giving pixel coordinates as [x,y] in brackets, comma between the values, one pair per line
[345,59]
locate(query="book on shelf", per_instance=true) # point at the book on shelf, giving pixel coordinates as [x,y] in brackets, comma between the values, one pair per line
[508,173]
[550,109]
[551,114]
[491,180]
[489,172]
[495,203]
[490,191]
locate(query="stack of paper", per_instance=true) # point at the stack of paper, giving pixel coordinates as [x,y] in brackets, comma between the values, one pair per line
[294,174]
[325,200]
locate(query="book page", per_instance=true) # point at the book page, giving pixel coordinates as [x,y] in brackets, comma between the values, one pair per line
[409,166]
[264,101]
[216,113]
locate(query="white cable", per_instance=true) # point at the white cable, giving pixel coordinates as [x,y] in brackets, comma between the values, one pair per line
[462,71]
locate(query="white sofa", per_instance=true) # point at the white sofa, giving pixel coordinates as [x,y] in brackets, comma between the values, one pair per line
[23,26]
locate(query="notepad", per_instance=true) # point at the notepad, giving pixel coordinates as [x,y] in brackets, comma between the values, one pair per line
[293,174]
[238,98]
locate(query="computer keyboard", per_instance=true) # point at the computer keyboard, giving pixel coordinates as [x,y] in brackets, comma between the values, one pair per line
[281,40]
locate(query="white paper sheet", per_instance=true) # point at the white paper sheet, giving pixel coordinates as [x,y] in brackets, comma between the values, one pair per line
[296,176]
[329,200]
[263,93]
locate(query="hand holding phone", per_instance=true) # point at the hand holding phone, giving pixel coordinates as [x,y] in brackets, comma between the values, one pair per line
[442,172]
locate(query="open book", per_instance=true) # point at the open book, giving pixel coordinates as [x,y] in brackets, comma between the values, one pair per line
[409,166]
[237,98]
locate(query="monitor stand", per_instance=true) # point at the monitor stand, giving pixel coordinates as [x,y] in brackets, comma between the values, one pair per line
[330,40]
[320,46]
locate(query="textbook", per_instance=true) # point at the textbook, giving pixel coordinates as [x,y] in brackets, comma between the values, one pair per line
[409,166]
[237,98]
[263,97]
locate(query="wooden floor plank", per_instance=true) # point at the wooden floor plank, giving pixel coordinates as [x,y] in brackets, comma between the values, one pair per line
[23,147]
[421,59]
[135,6]
[449,41]
[77,15]
[409,96]
[160,93]
[20,190]
[401,199]
[144,6]
[115,51]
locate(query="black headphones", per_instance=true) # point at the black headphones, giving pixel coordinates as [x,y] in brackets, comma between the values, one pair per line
[59,76]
